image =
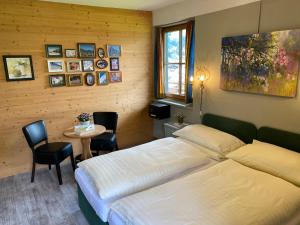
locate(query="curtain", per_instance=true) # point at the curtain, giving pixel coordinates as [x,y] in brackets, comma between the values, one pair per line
[158,65]
[190,52]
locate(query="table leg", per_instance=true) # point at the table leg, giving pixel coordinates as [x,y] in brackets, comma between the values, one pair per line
[86,151]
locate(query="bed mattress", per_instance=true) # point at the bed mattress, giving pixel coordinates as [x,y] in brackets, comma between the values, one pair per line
[101,207]
[213,196]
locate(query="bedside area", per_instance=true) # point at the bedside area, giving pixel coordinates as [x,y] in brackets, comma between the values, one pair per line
[171,127]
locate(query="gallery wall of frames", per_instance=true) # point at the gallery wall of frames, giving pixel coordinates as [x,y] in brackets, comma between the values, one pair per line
[90,50]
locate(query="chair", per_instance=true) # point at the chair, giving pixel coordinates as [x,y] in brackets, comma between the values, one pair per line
[107,140]
[48,153]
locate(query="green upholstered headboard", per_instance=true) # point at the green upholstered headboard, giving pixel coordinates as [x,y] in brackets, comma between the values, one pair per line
[245,131]
[280,138]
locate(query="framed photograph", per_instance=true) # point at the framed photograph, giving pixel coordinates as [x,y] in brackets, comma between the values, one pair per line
[101,63]
[86,50]
[56,66]
[101,53]
[70,53]
[115,77]
[18,67]
[89,79]
[114,50]
[75,80]
[87,65]
[114,64]
[102,78]
[54,51]
[74,66]
[57,80]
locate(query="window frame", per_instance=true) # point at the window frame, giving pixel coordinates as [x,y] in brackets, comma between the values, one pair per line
[165,30]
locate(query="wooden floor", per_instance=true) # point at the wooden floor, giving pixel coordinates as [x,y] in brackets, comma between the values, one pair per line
[42,202]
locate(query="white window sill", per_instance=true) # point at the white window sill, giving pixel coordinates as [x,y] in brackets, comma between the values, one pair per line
[175,103]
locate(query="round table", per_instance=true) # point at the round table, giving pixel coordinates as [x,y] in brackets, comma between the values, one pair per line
[85,139]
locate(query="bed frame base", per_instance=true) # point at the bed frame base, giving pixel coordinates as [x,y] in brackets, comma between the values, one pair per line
[88,210]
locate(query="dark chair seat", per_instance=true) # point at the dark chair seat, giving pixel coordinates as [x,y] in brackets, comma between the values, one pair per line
[108,140]
[48,153]
[53,153]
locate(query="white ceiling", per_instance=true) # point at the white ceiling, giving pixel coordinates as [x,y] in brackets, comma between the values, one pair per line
[148,5]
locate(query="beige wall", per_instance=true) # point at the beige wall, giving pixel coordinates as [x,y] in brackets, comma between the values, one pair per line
[262,110]
[26,26]
[191,8]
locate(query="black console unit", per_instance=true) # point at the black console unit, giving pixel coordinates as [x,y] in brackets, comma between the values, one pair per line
[159,110]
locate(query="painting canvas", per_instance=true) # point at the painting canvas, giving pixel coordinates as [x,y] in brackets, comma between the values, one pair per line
[86,50]
[264,63]
[114,50]
[18,67]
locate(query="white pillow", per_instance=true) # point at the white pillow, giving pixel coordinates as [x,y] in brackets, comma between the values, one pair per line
[211,138]
[271,159]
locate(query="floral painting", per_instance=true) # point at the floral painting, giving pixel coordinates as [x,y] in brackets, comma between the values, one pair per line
[264,63]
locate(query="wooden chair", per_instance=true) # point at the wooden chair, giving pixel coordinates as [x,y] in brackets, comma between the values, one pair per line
[48,153]
[108,140]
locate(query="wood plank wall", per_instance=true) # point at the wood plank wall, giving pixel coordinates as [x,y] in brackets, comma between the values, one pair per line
[25,27]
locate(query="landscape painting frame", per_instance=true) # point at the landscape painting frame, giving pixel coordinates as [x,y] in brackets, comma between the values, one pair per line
[86,50]
[261,63]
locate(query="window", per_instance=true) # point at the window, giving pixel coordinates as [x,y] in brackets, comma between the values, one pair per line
[174,61]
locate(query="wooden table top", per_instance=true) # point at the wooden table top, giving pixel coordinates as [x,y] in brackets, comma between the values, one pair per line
[99,129]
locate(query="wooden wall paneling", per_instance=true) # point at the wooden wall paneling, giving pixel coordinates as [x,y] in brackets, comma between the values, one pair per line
[26,26]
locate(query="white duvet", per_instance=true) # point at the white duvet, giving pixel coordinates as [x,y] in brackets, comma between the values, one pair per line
[128,171]
[225,194]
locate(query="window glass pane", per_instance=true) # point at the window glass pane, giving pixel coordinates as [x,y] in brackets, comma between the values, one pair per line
[172,46]
[172,79]
[183,36]
[182,79]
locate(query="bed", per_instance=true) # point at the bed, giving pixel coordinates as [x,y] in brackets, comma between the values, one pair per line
[245,189]
[96,209]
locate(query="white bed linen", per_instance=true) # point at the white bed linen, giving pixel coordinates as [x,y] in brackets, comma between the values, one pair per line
[226,194]
[124,172]
[102,207]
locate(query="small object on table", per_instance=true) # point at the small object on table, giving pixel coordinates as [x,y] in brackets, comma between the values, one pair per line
[85,135]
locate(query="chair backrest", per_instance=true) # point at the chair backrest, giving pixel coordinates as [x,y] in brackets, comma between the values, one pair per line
[35,133]
[107,119]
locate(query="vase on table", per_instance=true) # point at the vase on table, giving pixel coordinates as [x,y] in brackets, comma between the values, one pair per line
[85,123]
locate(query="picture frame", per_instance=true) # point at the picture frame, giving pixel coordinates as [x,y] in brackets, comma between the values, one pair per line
[70,53]
[101,63]
[115,77]
[53,51]
[87,65]
[102,78]
[74,66]
[114,50]
[57,80]
[89,79]
[75,80]
[101,53]
[114,64]
[18,67]
[56,66]
[86,50]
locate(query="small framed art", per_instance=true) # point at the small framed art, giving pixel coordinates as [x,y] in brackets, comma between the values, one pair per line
[56,66]
[70,53]
[87,65]
[57,80]
[114,50]
[74,66]
[86,50]
[115,77]
[89,79]
[18,67]
[75,80]
[101,63]
[54,51]
[101,53]
[102,78]
[114,64]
